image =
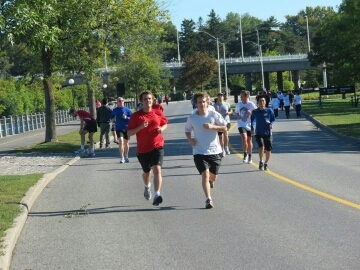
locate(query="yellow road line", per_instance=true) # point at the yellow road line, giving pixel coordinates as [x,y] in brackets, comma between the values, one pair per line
[299,185]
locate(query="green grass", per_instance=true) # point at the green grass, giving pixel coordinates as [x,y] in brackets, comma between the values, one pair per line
[337,114]
[12,190]
[66,143]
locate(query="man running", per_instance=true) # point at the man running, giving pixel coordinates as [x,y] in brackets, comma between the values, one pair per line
[148,125]
[224,109]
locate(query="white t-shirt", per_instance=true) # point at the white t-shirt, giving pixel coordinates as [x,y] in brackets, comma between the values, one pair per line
[241,110]
[223,108]
[210,108]
[207,141]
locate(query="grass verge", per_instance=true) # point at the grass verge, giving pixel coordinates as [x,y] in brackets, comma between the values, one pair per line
[12,190]
[336,114]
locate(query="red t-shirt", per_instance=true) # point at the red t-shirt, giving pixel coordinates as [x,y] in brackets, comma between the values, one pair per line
[84,115]
[148,138]
[158,107]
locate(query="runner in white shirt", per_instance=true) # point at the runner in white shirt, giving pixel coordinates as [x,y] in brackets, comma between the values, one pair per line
[243,112]
[205,126]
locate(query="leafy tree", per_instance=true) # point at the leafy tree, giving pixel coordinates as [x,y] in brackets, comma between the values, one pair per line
[65,36]
[198,70]
[188,39]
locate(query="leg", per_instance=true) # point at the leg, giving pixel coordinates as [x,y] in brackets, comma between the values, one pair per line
[205,177]
[126,147]
[91,139]
[157,178]
[267,156]
[244,142]
[221,140]
[146,178]
[107,134]
[121,148]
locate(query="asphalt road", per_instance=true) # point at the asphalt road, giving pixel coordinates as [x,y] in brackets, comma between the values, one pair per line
[302,214]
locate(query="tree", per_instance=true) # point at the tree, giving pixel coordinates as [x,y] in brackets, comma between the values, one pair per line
[54,29]
[198,70]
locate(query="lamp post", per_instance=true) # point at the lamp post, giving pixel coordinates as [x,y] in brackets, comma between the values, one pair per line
[307,30]
[261,61]
[71,82]
[178,46]
[241,40]
[225,73]
[218,54]
[104,87]
[324,75]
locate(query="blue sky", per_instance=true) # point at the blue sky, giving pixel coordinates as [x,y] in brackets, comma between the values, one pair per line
[262,9]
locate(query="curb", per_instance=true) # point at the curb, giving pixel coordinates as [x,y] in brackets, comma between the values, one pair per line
[12,234]
[353,140]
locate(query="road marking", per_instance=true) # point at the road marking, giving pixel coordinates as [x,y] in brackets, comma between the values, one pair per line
[299,185]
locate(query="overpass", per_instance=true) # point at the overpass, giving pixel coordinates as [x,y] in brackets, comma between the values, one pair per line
[249,65]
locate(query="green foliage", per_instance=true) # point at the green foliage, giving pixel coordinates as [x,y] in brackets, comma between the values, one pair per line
[198,70]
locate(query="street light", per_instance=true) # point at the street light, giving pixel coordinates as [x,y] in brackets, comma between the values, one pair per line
[226,82]
[71,82]
[178,46]
[261,60]
[104,86]
[324,75]
[218,54]
[307,29]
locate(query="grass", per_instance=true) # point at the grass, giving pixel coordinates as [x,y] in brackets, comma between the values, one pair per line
[336,114]
[66,143]
[12,190]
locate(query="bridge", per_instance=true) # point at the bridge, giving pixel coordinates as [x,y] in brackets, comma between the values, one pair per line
[249,65]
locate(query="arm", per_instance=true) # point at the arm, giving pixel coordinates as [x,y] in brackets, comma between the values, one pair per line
[191,141]
[133,131]
[162,128]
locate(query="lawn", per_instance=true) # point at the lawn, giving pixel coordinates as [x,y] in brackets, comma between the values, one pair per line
[337,114]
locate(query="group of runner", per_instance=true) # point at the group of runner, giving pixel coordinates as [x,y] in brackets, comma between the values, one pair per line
[206,130]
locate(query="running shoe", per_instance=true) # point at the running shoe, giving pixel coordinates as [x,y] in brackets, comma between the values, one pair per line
[266,167]
[249,161]
[127,160]
[245,158]
[209,204]
[147,193]
[80,151]
[261,166]
[91,155]
[227,150]
[122,160]
[223,153]
[157,200]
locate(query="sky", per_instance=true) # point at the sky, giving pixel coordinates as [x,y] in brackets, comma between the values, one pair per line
[262,9]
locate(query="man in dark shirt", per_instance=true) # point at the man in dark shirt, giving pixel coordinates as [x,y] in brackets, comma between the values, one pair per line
[103,121]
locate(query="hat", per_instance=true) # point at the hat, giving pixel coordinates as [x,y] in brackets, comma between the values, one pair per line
[71,112]
[220,94]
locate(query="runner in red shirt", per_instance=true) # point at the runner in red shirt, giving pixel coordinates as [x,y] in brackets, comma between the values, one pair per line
[87,125]
[157,105]
[148,125]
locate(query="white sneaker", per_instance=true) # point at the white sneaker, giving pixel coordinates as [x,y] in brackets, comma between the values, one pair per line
[224,153]
[227,150]
[122,160]
[80,151]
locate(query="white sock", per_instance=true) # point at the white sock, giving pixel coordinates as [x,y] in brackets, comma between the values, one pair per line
[209,198]
[148,185]
[157,193]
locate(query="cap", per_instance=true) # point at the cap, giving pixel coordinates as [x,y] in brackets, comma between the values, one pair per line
[72,111]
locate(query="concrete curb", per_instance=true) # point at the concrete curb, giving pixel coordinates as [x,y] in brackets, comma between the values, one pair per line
[12,234]
[353,140]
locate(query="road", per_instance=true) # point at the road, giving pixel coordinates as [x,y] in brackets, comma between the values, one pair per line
[302,214]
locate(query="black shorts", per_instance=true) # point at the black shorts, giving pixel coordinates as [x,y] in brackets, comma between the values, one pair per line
[264,141]
[91,126]
[122,134]
[211,162]
[228,126]
[149,159]
[244,130]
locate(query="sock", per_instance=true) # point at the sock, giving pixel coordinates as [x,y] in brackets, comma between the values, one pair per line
[156,193]
[249,156]
[91,149]
[148,185]
[82,147]
[209,198]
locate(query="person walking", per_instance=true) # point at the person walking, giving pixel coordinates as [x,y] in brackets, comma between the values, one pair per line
[103,120]
[207,150]
[264,118]
[122,115]
[225,110]
[297,102]
[275,104]
[148,125]
[167,99]
[287,104]
[281,98]
[243,112]
[87,125]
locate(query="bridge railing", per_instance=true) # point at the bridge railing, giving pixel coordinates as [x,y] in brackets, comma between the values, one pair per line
[249,59]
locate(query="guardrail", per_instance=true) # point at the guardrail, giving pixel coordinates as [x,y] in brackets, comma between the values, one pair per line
[249,59]
[12,125]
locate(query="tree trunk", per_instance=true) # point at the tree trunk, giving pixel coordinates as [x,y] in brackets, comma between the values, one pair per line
[50,129]
[91,100]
